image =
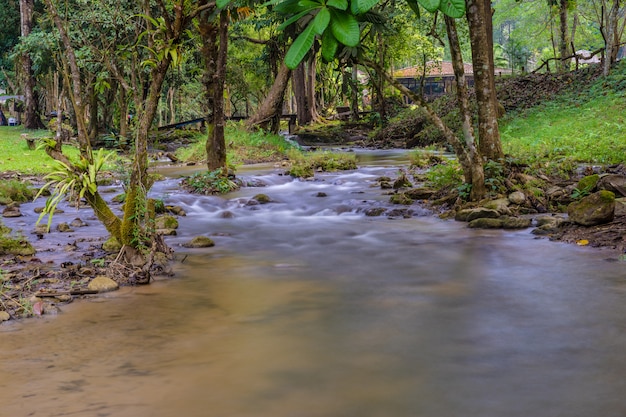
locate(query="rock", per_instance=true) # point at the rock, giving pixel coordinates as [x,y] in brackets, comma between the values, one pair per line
[4,316]
[166,222]
[420,193]
[262,199]
[597,208]
[111,245]
[226,214]
[64,228]
[321,194]
[120,198]
[549,221]
[501,205]
[386,185]
[620,207]
[588,183]
[614,183]
[400,198]
[11,211]
[402,182]
[176,210]
[517,197]
[467,215]
[375,211]
[9,246]
[166,232]
[516,222]
[485,223]
[102,283]
[199,242]
[404,213]
[78,223]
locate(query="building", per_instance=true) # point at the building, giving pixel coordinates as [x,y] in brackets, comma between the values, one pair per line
[438,77]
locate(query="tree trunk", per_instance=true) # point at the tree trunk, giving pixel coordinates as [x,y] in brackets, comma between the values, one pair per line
[611,38]
[478,19]
[473,172]
[564,44]
[311,72]
[216,144]
[31,116]
[273,103]
[299,90]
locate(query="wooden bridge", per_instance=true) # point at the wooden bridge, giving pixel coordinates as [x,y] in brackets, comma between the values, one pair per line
[202,120]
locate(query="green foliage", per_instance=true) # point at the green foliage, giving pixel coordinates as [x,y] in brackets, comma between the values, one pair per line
[73,181]
[15,190]
[213,182]
[445,176]
[305,165]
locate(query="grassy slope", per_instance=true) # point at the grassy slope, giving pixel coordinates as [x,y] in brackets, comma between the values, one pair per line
[584,124]
[15,155]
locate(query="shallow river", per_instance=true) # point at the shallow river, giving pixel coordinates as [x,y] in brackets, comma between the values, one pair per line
[308,308]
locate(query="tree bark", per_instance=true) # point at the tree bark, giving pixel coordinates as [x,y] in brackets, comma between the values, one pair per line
[478,19]
[31,114]
[564,43]
[273,103]
[216,152]
[473,172]
[299,91]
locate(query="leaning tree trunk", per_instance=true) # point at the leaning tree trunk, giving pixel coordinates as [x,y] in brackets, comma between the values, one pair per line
[478,18]
[563,36]
[474,172]
[273,103]
[31,116]
[611,38]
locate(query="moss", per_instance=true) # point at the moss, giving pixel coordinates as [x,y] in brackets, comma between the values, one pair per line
[262,198]
[400,199]
[112,245]
[166,222]
[200,242]
[14,190]
[588,183]
[15,246]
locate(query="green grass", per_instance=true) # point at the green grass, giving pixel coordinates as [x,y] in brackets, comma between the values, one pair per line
[582,128]
[15,155]
[243,147]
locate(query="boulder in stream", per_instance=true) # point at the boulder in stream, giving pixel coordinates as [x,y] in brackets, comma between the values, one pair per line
[597,208]
[102,283]
[199,242]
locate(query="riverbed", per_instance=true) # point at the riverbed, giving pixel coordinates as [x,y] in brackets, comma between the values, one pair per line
[308,307]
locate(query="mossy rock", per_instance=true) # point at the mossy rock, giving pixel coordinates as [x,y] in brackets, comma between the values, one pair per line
[486,223]
[400,198]
[516,222]
[166,222]
[199,242]
[467,215]
[262,198]
[588,183]
[597,208]
[111,245]
[11,246]
[120,198]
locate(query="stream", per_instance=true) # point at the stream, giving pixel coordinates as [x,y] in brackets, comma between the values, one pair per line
[306,307]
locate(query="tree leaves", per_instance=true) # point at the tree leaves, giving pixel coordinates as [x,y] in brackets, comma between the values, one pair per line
[329,46]
[361,6]
[431,5]
[345,28]
[321,21]
[452,8]
[300,47]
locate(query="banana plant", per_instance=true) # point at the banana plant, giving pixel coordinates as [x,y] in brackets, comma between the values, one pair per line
[336,22]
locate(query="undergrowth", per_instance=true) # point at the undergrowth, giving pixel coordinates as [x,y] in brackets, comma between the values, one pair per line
[305,165]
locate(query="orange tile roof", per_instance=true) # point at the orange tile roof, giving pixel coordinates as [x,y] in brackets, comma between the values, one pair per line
[437,69]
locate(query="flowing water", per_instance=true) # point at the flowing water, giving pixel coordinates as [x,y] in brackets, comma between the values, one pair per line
[308,308]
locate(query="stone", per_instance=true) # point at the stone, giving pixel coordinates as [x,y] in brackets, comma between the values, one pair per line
[485,223]
[176,210]
[467,215]
[321,194]
[262,199]
[620,206]
[400,198]
[4,316]
[111,245]
[78,223]
[588,183]
[549,221]
[11,211]
[517,197]
[613,182]
[16,247]
[420,193]
[501,205]
[516,222]
[227,214]
[166,232]
[375,211]
[597,208]
[102,283]
[64,228]
[402,182]
[199,242]
[166,222]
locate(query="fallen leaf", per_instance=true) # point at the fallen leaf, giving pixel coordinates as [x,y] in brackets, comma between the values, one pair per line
[38,308]
[582,242]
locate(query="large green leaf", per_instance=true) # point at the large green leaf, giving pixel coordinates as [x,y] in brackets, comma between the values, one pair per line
[345,28]
[414,5]
[329,46]
[362,6]
[289,7]
[432,5]
[300,47]
[338,4]
[453,8]
[321,21]
[221,3]
[293,19]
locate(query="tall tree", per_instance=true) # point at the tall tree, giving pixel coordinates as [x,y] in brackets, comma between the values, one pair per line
[31,116]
